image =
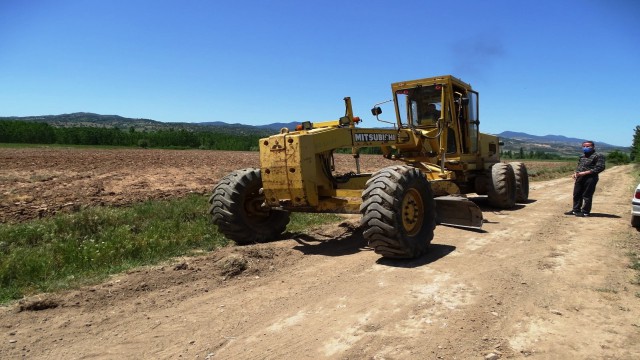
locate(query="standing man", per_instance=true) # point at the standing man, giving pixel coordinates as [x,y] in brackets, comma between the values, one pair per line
[586,176]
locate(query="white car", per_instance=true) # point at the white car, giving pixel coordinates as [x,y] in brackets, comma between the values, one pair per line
[635,208]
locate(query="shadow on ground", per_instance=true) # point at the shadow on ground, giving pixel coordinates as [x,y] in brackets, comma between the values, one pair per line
[351,241]
[434,253]
[600,215]
[347,242]
[483,204]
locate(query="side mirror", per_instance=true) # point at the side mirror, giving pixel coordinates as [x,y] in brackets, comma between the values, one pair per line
[376,111]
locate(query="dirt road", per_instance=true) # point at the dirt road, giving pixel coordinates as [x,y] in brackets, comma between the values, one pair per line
[534,283]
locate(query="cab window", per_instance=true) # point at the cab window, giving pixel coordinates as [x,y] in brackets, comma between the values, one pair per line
[420,106]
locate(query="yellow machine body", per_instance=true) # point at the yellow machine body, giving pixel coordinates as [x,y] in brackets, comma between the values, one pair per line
[297,165]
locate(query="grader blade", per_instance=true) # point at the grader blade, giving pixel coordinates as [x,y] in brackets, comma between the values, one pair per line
[458,211]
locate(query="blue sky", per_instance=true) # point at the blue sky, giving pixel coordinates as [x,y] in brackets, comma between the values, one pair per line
[541,67]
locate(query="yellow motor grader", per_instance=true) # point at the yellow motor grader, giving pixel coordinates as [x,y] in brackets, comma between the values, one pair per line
[441,157]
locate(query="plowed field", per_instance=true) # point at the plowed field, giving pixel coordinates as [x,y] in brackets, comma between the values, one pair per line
[36,182]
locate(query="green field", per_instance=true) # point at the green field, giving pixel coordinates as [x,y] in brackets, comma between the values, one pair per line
[69,250]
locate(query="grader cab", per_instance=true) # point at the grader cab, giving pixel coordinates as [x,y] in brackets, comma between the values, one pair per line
[441,157]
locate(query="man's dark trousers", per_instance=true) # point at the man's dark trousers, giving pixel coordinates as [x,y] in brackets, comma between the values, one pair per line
[583,191]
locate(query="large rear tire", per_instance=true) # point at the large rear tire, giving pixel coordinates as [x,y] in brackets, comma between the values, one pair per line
[502,190]
[236,207]
[398,212]
[522,181]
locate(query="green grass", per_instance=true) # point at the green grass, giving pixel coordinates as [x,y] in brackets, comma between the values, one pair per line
[301,222]
[69,250]
[543,170]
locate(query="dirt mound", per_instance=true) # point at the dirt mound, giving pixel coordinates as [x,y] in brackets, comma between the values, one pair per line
[184,276]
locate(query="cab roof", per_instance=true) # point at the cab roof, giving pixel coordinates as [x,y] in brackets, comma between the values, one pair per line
[443,80]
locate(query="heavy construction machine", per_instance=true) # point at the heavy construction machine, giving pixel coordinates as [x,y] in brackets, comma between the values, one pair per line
[441,158]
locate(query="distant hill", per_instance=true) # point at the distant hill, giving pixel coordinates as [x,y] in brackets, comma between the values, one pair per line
[278,126]
[116,121]
[90,119]
[558,144]
[546,138]
[270,128]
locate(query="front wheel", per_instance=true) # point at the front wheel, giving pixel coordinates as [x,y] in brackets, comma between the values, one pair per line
[236,207]
[635,221]
[398,212]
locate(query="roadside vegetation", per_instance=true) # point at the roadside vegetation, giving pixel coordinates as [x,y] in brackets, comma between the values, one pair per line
[540,170]
[69,250]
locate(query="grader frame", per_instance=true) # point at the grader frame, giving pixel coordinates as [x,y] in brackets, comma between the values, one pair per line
[442,157]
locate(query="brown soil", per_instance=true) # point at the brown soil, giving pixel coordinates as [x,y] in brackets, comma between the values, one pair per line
[534,283]
[37,182]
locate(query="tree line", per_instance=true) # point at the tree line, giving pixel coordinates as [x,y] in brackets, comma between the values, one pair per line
[635,146]
[28,132]
[538,155]
[12,131]
[615,157]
